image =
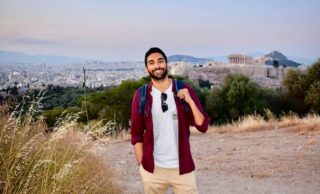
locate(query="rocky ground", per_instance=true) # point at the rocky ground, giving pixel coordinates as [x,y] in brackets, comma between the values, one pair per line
[271,161]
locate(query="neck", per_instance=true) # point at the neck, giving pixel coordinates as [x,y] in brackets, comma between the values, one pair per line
[162,85]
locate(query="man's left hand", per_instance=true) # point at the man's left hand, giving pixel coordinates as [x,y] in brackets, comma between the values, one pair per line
[184,94]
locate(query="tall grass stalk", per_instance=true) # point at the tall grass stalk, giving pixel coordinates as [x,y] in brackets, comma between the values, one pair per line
[84,96]
[34,161]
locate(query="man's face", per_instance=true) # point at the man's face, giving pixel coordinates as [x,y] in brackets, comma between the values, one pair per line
[157,66]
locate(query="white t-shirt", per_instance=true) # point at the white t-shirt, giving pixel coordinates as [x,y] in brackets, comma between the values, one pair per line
[165,130]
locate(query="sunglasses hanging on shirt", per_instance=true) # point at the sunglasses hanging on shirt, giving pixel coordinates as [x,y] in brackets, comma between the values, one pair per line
[164,105]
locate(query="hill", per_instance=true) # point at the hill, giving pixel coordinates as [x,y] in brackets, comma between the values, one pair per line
[187,58]
[8,57]
[281,58]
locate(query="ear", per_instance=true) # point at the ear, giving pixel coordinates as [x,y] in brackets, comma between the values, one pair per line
[146,69]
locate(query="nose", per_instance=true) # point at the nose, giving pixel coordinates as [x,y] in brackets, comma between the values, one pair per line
[157,65]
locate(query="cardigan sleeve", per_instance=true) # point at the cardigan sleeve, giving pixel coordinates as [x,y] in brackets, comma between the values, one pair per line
[205,124]
[137,121]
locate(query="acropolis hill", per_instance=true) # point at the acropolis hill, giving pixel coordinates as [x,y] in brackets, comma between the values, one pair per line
[268,70]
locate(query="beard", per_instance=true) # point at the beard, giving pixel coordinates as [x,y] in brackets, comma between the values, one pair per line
[158,77]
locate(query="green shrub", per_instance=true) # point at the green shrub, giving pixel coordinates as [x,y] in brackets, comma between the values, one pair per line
[302,89]
[237,96]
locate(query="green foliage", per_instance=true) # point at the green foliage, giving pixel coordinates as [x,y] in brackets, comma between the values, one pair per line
[57,96]
[113,103]
[203,94]
[51,116]
[238,96]
[313,73]
[277,102]
[313,96]
[295,83]
[303,89]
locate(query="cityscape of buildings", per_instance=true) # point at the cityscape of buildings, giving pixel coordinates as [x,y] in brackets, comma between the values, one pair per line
[37,76]
[26,76]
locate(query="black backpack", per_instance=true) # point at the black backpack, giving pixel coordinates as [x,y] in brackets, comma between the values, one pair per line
[143,96]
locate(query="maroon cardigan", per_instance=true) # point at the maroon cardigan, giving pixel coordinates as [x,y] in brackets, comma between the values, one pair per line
[142,130]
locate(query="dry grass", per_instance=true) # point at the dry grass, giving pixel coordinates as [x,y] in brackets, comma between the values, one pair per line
[305,125]
[308,124]
[33,161]
[120,137]
[249,123]
[108,132]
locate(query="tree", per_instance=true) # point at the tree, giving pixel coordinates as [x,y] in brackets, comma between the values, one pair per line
[238,96]
[295,83]
[114,103]
[52,115]
[302,89]
[313,73]
[313,96]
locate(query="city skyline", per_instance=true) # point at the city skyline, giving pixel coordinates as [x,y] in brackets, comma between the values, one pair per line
[124,30]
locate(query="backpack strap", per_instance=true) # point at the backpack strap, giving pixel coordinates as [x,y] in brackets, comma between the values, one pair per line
[180,85]
[142,97]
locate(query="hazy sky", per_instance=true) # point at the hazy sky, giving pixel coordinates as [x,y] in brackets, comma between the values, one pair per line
[124,30]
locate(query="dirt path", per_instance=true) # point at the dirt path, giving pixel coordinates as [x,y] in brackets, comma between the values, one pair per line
[272,161]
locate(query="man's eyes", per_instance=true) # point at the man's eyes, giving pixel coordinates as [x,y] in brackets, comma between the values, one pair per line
[153,62]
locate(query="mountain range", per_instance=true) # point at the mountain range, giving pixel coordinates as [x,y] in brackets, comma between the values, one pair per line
[8,57]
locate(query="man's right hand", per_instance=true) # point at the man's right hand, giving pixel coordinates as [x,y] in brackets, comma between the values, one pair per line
[138,150]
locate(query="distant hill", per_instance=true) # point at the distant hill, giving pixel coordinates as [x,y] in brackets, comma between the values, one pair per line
[281,58]
[8,57]
[301,60]
[187,58]
[276,56]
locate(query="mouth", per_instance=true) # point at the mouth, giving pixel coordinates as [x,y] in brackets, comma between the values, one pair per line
[158,71]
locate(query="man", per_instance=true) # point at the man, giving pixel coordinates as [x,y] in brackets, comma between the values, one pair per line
[160,133]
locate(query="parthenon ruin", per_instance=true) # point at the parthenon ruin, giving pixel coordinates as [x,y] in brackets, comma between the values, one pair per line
[240,59]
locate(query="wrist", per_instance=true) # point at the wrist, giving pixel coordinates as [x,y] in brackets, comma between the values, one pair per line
[191,102]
